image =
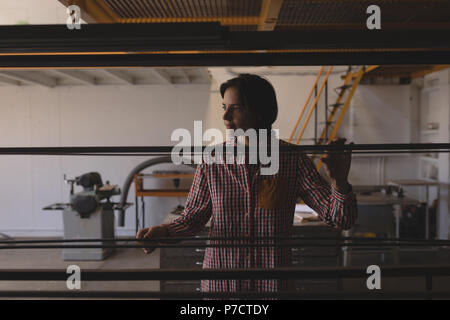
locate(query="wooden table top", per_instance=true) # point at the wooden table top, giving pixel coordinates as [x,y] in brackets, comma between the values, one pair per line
[413,182]
[378,198]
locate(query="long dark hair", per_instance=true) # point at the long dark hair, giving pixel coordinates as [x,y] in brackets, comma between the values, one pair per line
[257,95]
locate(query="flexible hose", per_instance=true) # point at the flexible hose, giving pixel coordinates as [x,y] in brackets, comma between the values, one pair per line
[130,178]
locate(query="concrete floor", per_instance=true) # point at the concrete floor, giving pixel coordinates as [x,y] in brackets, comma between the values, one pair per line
[51,259]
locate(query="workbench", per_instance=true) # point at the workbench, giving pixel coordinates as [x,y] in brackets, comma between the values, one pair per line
[379,203]
[141,192]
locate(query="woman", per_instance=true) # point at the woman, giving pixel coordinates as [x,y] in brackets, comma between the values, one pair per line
[242,203]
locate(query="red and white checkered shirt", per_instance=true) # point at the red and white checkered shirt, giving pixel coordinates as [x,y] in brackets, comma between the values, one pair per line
[243,203]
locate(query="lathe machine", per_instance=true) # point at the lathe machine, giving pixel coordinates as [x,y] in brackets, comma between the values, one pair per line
[89,215]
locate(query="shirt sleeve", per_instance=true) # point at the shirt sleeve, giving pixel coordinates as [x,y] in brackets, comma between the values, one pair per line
[197,210]
[334,208]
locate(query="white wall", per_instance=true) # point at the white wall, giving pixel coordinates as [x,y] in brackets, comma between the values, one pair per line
[83,116]
[32,12]
[438,110]
[146,115]
[382,114]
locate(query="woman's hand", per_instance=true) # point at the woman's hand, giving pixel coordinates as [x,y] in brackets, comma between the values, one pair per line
[149,233]
[337,166]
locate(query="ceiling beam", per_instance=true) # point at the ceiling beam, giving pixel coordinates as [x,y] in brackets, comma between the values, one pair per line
[428,71]
[366,71]
[388,75]
[120,75]
[270,9]
[32,77]
[184,76]
[205,74]
[9,81]
[405,71]
[162,75]
[93,11]
[79,76]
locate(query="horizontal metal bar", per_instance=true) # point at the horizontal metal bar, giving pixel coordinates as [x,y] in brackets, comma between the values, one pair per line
[194,239]
[109,37]
[223,59]
[215,274]
[224,295]
[207,245]
[199,149]
[144,37]
[374,153]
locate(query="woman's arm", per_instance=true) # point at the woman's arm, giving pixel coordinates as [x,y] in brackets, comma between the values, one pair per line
[334,207]
[198,208]
[194,217]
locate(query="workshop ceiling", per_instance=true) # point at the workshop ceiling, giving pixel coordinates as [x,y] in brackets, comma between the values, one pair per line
[51,78]
[404,71]
[346,14]
[282,15]
[252,15]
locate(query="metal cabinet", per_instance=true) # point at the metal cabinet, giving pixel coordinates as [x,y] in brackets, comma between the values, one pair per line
[182,258]
[316,256]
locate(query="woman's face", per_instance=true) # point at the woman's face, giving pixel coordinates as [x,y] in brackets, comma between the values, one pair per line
[236,116]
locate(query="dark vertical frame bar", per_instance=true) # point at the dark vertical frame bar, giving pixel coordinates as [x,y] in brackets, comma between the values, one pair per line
[315,115]
[326,111]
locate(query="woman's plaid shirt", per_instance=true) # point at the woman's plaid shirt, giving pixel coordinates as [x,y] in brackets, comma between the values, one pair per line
[243,203]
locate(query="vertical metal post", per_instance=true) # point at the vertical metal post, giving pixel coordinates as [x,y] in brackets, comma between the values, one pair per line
[397,213]
[429,285]
[136,204]
[436,220]
[326,111]
[143,212]
[305,105]
[319,92]
[427,214]
[340,262]
[315,116]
